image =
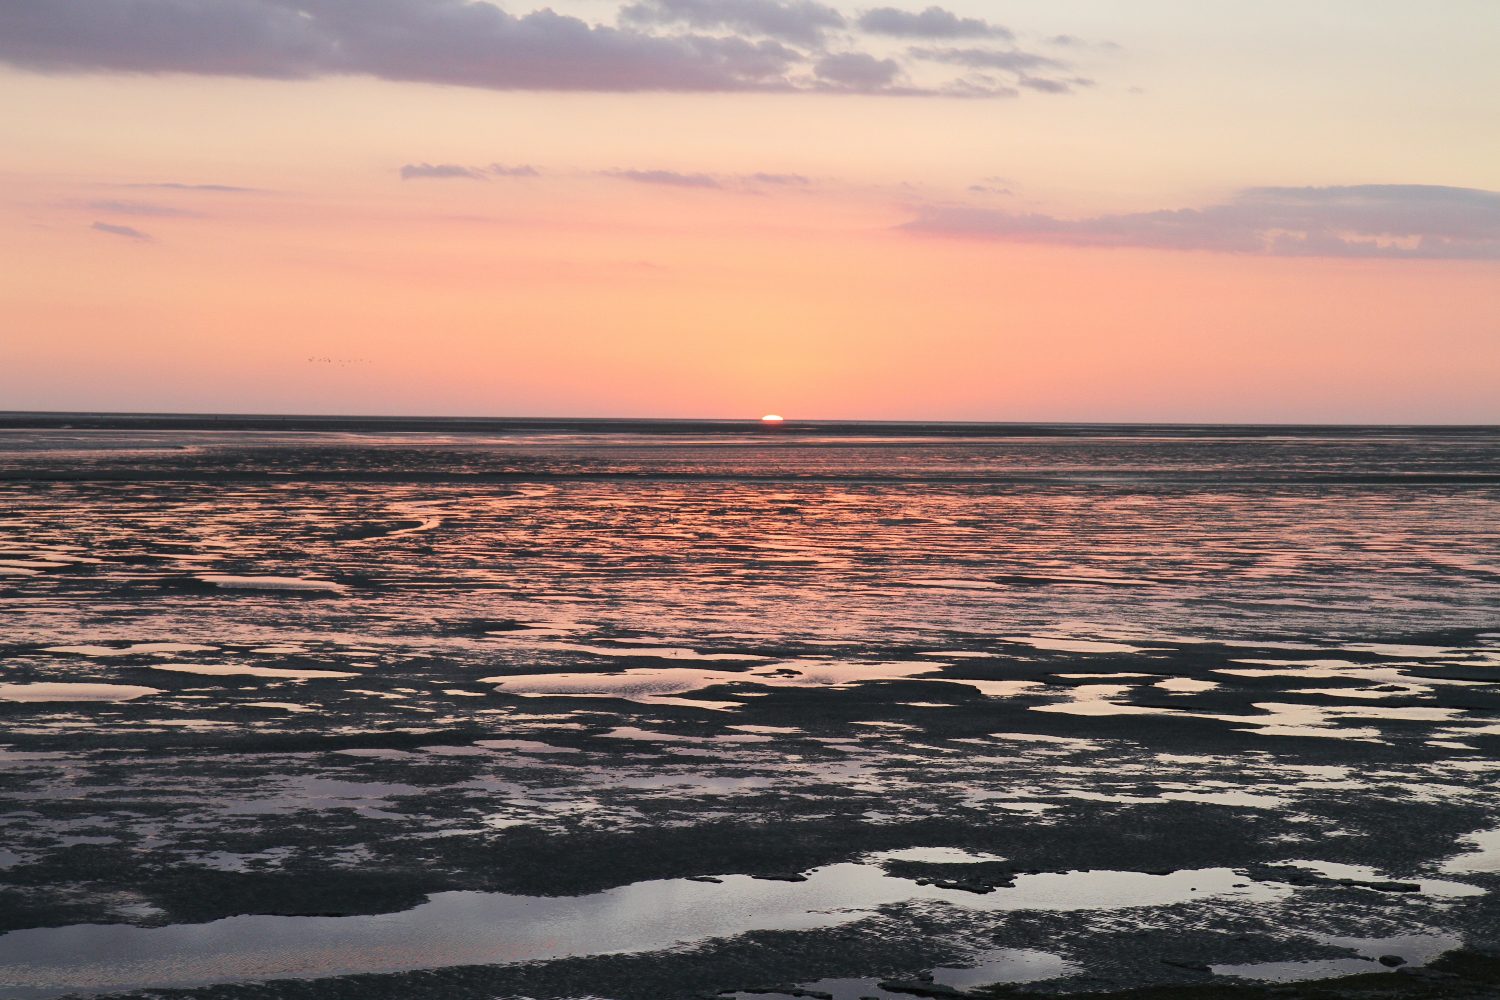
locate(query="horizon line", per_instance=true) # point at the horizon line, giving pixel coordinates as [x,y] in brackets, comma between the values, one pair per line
[38,419]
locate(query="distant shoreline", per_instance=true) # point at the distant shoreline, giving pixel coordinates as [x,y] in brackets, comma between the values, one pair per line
[40,420]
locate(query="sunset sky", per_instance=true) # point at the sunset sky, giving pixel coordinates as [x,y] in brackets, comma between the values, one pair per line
[1019,210]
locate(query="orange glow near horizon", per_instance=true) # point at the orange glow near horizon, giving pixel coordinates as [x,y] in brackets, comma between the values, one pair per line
[645,302]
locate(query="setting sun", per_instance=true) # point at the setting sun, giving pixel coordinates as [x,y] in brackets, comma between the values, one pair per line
[771,418]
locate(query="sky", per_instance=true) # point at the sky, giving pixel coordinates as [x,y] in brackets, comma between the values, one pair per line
[1162,210]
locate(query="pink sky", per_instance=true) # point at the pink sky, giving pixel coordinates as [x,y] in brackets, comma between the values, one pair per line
[756,205]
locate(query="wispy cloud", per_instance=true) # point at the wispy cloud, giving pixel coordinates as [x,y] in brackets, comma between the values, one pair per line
[1020,66]
[669,178]
[657,45]
[1007,59]
[209,188]
[117,207]
[779,179]
[457,171]
[1370,220]
[439,171]
[1048,85]
[129,232]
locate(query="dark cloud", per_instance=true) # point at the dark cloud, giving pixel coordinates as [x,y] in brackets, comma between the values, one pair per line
[857,71]
[239,37]
[520,170]
[129,232]
[1371,220]
[435,41]
[669,178]
[660,45]
[762,65]
[116,207]
[439,171]
[799,21]
[933,22]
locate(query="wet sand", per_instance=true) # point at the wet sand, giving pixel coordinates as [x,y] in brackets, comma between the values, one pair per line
[565,712]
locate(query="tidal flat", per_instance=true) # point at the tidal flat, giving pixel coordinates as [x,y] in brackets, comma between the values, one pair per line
[640,711]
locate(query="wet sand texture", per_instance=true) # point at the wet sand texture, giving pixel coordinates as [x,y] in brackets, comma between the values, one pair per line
[572,709]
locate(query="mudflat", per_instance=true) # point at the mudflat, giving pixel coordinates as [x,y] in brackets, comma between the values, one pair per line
[580,709]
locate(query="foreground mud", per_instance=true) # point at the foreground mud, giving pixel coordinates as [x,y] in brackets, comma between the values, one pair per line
[1175,718]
